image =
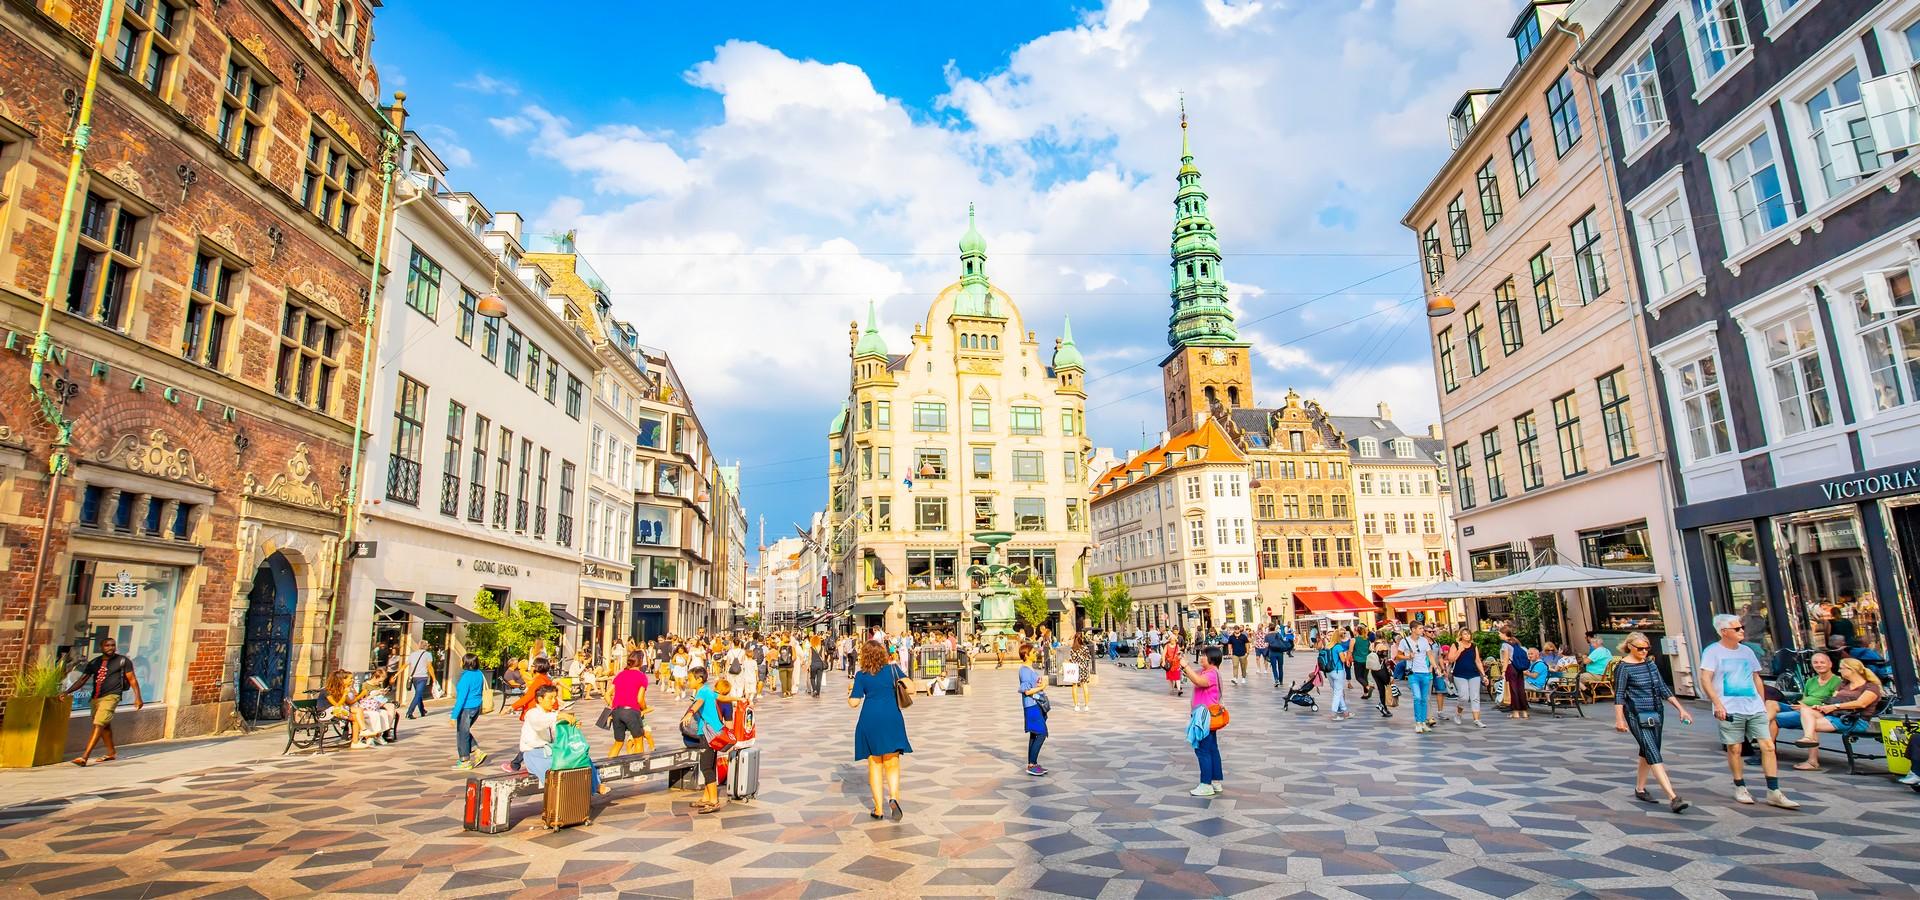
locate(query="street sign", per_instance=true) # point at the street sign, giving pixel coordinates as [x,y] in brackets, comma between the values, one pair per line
[364,550]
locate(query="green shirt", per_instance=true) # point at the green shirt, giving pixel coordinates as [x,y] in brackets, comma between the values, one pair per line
[1817,692]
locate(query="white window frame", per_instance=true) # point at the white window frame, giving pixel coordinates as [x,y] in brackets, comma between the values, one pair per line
[1630,82]
[1779,20]
[1719,149]
[1890,28]
[1840,287]
[1683,350]
[1738,54]
[1755,317]
[1665,191]
[1810,80]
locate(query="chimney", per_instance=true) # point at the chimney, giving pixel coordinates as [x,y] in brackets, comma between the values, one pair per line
[508,222]
[1433,431]
[1385,414]
[1166,437]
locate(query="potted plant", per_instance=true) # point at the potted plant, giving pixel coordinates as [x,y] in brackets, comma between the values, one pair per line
[35,730]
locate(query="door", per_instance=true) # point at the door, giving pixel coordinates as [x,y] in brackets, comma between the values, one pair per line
[436,634]
[268,646]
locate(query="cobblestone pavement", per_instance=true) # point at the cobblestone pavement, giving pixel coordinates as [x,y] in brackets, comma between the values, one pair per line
[1362,808]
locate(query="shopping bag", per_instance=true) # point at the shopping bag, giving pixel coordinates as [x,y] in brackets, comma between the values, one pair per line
[570,749]
[1894,734]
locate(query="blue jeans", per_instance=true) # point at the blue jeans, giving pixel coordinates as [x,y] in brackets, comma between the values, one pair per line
[540,759]
[1275,661]
[1421,685]
[1113,651]
[1208,750]
[463,731]
[1338,681]
[419,705]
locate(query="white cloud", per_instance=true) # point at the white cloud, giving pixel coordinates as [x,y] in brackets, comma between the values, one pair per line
[622,158]
[510,126]
[447,145]
[1231,14]
[482,83]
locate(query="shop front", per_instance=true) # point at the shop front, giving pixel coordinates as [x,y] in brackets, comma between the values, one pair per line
[1427,612]
[602,628]
[1824,565]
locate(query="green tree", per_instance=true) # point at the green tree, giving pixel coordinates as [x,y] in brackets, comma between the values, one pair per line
[508,632]
[1120,602]
[1094,604]
[1030,604]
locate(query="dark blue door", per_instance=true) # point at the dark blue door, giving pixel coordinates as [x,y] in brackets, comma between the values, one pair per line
[269,641]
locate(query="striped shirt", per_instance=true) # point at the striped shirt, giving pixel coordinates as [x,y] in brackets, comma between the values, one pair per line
[1639,686]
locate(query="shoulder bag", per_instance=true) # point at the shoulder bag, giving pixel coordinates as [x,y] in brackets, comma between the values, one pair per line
[1045,704]
[901,693]
[690,726]
[1217,717]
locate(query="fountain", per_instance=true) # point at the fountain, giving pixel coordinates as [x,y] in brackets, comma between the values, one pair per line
[996,598]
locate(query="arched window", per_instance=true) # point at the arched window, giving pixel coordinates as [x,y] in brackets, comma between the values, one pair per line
[1209,393]
[1233,397]
[1203,270]
[1189,270]
[993,342]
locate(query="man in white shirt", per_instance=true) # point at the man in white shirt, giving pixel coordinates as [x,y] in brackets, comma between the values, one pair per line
[1730,675]
[1417,650]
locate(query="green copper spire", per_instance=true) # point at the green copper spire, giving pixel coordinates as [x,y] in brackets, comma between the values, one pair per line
[871,343]
[975,299]
[1200,313]
[1067,356]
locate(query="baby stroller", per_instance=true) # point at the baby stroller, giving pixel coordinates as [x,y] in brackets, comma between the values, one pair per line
[1301,693]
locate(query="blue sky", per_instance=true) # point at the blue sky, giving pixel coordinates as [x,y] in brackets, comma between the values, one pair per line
[747,182]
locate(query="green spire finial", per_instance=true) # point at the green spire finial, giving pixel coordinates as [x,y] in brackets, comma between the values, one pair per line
[871,344]
[1066,355]
[975,299]
[1186,150]
[1200,311]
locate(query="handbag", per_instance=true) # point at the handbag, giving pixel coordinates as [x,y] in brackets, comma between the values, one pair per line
[606,718]
[901,693]
[1046,705]
[570,749]
[690,726]
[1217,717]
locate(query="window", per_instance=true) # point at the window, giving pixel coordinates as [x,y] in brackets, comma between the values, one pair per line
[593,451]
[1526,35]
[309,355]
[331,186]
[1794,371]
[1463,474]
[1297,553]
[1343,552]
[883,414]
[1067,425]
[106,261]
[1520,150]
[1320,559]
[1026,420]
[930,463]
[1366,478]
[929,416]
[1070,465]
[243,108]
[1290,506]
[1449,378]
[563,535]
[1546,294]
[1755,194]
[1704,407]
[1566,428]
[409,434]
[1643,110]
[469,315]
[573,394]
[1029,513]
[1526,440]
[982,462]
[1316,506]
[533,366]
[1429,524]
[883,514]
[451,456]
[1339,506]
[553,379]
[1286,468]
[423,285]
[1457,226]
[1588,267]
[490,340]
[1076,515]
[1270,553]
[930,513]
[982,414]
[1718,34]
[1666,247]
[1390,524]
[145,48]
[210,310]
[511,364]
[1890,336]
[520,508]
[1506,308]
[1476,351]
[1842,141]
[1028,465]
[1488,185]
[1193,487]
[477,474]
[1426,483]
[503,468]
[883,462]
[1370,523]
[1375,569]
[1430,250]
[652,432]
[1564,113]
[1239,531]
[1616,416]
[1263,506]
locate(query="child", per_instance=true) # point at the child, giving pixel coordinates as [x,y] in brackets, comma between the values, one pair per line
[1175,677]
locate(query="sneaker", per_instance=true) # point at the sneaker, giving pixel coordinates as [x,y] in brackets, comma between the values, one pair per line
[479,756]
[1456,718]
[1219,787]
[1911,778]
[1036,771]
[1780,799]
[1479,724]
[1205,790]
[463,766]
[1741,794]
[1420,728]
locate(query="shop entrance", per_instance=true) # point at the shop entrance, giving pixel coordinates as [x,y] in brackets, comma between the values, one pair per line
[268,646]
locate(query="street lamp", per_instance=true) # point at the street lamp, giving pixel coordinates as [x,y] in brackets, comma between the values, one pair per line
[1440,306]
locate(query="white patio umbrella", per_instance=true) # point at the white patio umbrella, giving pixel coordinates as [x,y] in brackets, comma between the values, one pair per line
[1559,577]
[1445,590]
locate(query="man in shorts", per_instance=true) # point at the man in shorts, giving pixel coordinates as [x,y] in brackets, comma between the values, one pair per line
[1730,674]
[111,675]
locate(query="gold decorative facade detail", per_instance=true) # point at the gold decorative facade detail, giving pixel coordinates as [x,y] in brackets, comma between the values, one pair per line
[344,128]
[125,175]
[154,455]
[294,486]
[255,46]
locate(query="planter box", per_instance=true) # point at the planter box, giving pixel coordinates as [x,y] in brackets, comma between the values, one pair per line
[35,732]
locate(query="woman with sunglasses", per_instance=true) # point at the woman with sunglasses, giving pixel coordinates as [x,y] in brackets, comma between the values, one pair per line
[1639,689]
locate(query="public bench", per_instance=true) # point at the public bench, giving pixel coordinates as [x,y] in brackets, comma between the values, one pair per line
[485,808]
[1855,726]
[307,729]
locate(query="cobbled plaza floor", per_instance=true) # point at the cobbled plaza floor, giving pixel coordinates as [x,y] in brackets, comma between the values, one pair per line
[1362,808]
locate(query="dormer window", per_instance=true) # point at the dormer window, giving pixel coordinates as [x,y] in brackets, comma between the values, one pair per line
[1369,447]
[1526,35]
[1403,448]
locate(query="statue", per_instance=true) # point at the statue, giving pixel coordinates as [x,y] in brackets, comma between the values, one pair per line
[996,597]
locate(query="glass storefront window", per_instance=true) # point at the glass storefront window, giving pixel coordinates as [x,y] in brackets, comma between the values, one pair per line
[1829,583]
[129,602]
[1490,564]
[1738,587]
[1623,609]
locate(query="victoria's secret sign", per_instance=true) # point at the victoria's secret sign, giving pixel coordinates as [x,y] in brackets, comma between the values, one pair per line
[1906,479]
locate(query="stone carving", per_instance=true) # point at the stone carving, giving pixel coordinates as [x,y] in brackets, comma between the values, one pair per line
[125,175]
[343,128]
[6,432]
[255,46]
[154,455]
[294,486]
[316,292]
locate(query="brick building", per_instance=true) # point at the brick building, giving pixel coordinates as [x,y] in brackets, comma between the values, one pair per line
[206,321]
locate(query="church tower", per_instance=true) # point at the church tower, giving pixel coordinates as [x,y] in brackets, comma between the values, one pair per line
[1209,362]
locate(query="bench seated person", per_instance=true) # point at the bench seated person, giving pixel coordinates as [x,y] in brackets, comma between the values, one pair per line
[1850,711]
[511,684]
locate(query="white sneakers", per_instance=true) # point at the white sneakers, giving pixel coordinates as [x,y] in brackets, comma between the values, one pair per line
[1205,790]
[1741,794]
[1421,728]
[1911,778]
[1779,798]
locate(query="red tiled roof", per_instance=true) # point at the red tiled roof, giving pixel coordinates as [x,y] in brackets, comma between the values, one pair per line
[1215,447]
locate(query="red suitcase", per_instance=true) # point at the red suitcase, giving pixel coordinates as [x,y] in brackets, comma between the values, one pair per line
[486,807]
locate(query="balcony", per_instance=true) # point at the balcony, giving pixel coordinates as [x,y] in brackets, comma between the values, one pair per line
[403,480]
[520,515]
[476,502]
[563,535]
[540,522]
[449,494]
[499,509]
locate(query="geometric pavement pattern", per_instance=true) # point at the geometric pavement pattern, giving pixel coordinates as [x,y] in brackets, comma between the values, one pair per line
[1362,808]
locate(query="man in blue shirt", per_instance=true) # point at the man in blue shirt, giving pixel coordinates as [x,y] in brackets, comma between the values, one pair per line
[1278,646]
[1237,642]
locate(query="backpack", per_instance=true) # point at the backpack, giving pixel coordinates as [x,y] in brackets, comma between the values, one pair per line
[1329,658]
[786,656]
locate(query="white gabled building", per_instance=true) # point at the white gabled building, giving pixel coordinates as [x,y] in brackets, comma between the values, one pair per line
[1175,524]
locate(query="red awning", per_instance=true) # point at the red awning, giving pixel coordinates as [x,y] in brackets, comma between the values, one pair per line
[1333,601]
[1380,594]
[1400,606]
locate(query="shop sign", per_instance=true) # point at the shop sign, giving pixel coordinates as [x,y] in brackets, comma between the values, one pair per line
[1906,479]
[604,573]
[649,606]
[495,568]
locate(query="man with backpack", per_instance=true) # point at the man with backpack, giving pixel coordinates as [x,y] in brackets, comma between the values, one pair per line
[783,661]
[1278,646]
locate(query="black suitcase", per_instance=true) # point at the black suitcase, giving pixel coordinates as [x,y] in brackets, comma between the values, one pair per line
[569,798]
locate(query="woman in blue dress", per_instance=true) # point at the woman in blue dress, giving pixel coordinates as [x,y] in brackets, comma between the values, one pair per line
[1032,686]
[881,734]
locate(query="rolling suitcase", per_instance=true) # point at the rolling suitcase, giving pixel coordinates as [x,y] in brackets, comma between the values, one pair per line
[743,776]
[486,805]
[569,798]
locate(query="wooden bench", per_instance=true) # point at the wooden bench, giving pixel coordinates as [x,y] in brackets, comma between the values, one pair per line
[681,765]
[308,730]
[1559,694]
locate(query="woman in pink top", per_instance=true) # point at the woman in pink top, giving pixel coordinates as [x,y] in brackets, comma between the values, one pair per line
[627,698]
[1206,692]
